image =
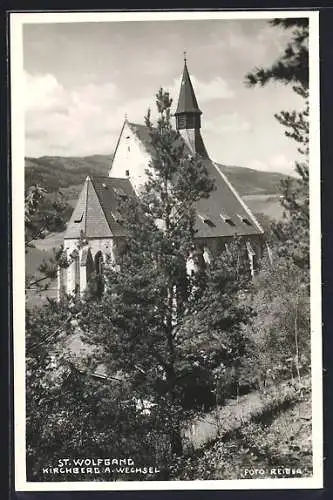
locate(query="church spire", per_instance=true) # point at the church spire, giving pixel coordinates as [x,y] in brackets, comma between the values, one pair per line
[188,116]
[187,112]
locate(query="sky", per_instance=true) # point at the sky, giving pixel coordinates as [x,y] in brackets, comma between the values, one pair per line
[81,79]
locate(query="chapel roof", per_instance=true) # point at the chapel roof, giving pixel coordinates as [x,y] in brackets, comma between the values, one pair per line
[96,213]
[224,211]
[142,132]
[222,214]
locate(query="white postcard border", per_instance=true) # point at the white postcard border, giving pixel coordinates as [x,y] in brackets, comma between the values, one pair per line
[17,20]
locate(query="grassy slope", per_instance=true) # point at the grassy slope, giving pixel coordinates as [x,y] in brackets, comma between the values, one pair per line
[281,439]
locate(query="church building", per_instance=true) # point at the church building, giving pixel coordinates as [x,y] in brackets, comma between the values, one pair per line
[94,235]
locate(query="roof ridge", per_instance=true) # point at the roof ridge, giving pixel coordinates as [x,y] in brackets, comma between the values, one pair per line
[108,178]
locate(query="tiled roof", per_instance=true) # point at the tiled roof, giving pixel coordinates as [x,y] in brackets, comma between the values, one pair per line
[96,213]
[187,102]
[143,134]
[224,213]
[224,200]
[108,191]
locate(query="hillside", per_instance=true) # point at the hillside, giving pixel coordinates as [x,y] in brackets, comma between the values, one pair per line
[274,445]
[54,172]
[248,181]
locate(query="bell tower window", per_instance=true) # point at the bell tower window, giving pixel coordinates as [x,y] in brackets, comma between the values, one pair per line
[188,121]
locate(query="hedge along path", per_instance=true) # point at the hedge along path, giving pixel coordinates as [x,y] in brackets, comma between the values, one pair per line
[234,414]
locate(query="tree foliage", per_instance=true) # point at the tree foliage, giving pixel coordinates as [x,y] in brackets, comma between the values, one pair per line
[292,234]
[43,214]
[292,67]
[279,344]
[163,326]
[71,414]
[281,328]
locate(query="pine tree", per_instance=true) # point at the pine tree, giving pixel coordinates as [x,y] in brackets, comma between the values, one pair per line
[154,318]
[69,413]
[42,215]
[286,324]
[292,68]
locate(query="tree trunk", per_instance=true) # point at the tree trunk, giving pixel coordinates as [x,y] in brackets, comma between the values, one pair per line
[296,335]
[176,443]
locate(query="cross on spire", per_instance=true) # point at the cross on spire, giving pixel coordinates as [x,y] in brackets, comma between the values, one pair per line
[187,102]
[185,54]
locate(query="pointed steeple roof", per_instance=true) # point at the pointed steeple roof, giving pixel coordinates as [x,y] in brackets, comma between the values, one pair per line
[187,102]
[96,211]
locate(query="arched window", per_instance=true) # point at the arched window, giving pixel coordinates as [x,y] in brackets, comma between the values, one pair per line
[89,266]
[77,273]
[99,262]
[99,283]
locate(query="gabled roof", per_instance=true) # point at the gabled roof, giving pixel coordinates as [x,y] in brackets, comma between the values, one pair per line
[143,134]
[187,102]
[223,214]
[95,214]
[224,208]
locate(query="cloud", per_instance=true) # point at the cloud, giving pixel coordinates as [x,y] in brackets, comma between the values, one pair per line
[257,165]
[87,118]
[229,122]
[214,89]
[277,163]
[72,121]
[280,162]
[43,92]
[205,91]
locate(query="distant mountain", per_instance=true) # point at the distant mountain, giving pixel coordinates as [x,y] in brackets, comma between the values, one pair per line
[54,172]
[248,181]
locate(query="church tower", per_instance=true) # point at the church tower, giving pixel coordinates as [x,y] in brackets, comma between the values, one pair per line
[188,116]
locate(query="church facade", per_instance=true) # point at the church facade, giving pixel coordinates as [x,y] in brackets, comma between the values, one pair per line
[94,236]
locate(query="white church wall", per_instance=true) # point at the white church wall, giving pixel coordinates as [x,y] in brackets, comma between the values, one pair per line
[62,281]
[83,279]
[73,276]
[70,245]
[131,159]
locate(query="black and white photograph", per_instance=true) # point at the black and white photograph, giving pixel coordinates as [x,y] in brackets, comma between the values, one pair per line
[166,250]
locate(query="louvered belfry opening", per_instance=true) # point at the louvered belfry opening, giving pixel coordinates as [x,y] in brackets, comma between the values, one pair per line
[188,121]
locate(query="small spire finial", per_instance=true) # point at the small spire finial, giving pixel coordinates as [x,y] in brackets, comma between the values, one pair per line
[185,56]
[125,117]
